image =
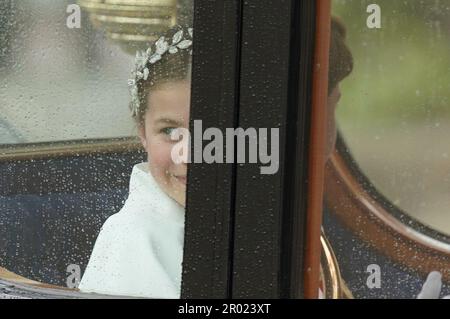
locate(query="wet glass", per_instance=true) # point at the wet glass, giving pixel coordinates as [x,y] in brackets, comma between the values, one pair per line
[394,122]
[58,83]
[69,144]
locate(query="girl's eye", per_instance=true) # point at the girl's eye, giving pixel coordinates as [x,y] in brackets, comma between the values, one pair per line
[171,133]
[168,130]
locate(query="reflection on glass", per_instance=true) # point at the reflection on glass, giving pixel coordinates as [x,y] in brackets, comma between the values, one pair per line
[340,67]
[56,83]
[394,117]
[396,107]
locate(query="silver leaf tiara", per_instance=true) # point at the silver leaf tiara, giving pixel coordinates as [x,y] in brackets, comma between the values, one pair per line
[181,40]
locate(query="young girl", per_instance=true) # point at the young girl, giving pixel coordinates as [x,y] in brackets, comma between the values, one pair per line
[139,250]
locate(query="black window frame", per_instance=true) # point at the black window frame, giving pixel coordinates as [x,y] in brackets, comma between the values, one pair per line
[270,234]
[214,97]
[262,218]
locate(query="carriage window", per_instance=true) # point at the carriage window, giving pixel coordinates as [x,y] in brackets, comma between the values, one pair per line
[59,83]
[388,182]
[95,97]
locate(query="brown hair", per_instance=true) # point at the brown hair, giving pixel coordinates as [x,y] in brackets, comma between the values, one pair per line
[341,59]
[171,68]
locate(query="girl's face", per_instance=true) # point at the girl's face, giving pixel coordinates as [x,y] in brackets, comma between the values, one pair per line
[167,110]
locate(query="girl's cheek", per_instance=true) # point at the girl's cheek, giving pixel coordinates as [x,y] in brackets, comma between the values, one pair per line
[160,153]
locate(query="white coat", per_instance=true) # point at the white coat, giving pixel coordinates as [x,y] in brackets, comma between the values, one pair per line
[139,250]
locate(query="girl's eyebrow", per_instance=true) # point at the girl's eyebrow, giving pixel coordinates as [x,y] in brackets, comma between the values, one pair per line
[166,121]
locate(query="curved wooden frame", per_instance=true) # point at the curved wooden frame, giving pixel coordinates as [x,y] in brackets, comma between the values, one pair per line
[363,213]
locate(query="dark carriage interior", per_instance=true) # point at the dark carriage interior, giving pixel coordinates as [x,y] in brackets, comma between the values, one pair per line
[51,210]
[398,281]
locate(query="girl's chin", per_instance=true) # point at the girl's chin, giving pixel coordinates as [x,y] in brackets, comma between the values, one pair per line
[179,180]
[178,192]
[180,200]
